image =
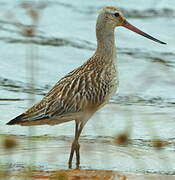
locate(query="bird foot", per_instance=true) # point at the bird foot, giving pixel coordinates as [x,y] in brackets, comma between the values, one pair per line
[75,148]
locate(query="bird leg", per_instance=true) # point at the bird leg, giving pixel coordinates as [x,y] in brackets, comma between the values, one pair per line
[73,147]
[76,146]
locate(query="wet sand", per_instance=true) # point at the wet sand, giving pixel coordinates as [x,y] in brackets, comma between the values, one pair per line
[47,158]
[86,174]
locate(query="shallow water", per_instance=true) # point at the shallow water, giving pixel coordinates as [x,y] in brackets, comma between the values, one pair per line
[145,102]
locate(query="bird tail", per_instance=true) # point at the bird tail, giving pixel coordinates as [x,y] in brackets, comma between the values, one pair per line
[24,120]
[17,120]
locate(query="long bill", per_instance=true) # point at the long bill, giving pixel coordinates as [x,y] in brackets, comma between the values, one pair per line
[129,26]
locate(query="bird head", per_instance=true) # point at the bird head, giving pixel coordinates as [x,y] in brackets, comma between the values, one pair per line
[112,17]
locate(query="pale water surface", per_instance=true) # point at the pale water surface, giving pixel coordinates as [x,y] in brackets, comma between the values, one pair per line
[145,103]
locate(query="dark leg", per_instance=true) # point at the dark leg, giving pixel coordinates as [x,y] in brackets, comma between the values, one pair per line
[77,150]
[75,146]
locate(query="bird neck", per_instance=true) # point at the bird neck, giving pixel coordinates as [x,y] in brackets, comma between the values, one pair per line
[105,42]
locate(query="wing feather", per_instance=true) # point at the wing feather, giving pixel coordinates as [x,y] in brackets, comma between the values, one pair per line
[73,94]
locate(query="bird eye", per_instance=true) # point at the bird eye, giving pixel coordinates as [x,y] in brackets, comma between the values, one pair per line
[116,14]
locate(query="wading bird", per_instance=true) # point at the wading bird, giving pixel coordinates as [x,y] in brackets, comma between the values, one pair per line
[79,94]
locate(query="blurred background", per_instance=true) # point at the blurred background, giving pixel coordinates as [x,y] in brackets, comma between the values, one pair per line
[41,41]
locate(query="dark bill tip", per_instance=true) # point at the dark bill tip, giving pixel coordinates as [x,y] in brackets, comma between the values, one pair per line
[138,31]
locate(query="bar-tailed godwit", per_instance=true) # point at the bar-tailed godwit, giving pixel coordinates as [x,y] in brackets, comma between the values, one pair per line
[79,94]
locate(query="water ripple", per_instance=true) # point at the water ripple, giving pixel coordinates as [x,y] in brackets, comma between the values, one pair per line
[132,13]
[164,58]
[17,86]
[95,139]
[143,101]
[147,13]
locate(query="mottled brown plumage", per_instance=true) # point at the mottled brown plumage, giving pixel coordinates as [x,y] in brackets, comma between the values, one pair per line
[79,94]
[84,89]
